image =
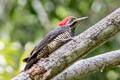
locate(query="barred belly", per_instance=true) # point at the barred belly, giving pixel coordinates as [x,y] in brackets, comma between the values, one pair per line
[55,44]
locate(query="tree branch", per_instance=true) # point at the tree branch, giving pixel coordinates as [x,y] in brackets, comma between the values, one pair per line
[73,50]
[93,64]
[42,15]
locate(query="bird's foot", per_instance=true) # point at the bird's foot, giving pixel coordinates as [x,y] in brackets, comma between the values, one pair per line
[71,38]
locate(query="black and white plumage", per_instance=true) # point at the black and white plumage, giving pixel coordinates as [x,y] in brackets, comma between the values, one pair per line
[52,41]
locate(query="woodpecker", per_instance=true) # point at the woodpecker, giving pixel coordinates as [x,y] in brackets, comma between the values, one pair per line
[54,39]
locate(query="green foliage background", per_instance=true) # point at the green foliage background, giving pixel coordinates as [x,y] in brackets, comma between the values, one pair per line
[21,30]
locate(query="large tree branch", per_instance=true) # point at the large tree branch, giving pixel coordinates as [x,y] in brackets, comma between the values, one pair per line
[73,50]
[93,64]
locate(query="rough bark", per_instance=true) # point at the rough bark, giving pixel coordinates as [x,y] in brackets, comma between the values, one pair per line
[75,49]
[93,64]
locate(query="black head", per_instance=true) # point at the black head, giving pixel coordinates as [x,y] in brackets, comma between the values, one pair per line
[74,21]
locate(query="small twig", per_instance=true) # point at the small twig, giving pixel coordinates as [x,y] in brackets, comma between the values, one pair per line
[42,15]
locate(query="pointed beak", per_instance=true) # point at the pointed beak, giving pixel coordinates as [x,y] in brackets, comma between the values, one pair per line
[78,21]
[81,19]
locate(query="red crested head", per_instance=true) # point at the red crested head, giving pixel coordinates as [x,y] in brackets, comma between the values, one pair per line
[64,21]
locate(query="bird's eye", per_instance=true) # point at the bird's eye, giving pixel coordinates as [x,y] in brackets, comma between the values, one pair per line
[71,20]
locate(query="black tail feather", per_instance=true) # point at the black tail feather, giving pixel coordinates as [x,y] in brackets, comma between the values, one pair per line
[30,63]
[25,59]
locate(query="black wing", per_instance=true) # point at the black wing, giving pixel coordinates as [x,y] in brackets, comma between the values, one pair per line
[47,39]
